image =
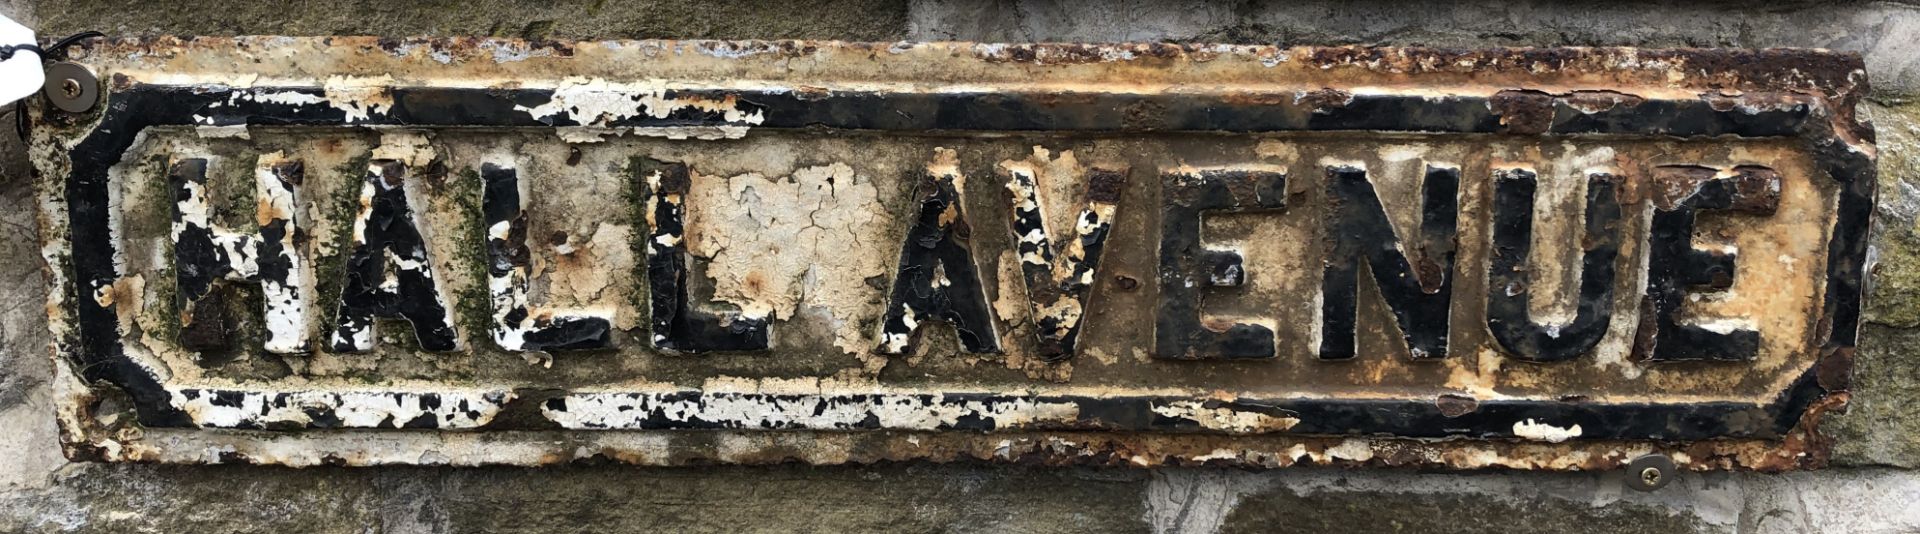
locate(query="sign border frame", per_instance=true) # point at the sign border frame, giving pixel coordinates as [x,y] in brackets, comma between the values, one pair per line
[83,257]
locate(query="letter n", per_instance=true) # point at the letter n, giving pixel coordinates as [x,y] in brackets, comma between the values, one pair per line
[1416,281]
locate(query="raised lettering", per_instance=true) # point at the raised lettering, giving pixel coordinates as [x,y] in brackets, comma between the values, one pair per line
[516,327]
[1674,266]
[1057,285]
[937,280]
[1419,290]
[385,232]
[1187,265]
[205,254]
[677,325]
[1508,316]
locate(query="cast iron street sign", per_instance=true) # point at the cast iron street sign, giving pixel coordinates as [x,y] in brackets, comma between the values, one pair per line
[358,251]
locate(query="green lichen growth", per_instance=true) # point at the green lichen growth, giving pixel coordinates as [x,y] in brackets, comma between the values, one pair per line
[242,309]
[395,336]
[329,268]
[154,217]
[235,198]
[159,313]
[233,307]
[635,192]
[473,311]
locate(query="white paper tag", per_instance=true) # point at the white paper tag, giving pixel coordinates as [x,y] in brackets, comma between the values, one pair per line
[20,76]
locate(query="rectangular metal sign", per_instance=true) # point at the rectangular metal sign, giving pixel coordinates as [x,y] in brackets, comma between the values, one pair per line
[362,251]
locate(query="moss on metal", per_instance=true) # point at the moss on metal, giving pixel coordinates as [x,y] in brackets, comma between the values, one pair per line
[341,209]
[857,20]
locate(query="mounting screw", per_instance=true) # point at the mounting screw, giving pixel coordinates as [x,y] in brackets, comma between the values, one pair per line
[1650,472]
[72,88]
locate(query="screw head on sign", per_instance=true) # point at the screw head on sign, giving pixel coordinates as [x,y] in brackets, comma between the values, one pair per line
[1650,472]
[72,88]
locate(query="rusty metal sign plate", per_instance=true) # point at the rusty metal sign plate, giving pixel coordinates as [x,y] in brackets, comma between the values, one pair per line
[366,251]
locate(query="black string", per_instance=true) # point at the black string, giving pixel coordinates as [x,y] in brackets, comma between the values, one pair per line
[59,48]
[6,52]
[20,121]
[20,124]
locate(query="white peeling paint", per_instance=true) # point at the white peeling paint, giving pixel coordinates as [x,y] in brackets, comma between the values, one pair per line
[286,301]
[360,98]
[802,411]
[361,409]
[1225,419]
[285,98]
[597,102]
[1538,431]
[508,290]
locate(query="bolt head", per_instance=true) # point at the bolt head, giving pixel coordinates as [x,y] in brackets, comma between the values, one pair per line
[71,87]
[1650,472]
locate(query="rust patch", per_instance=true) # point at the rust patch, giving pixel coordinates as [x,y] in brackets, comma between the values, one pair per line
[1599,101]
[1324,99]
[1524,112]
[1456,405]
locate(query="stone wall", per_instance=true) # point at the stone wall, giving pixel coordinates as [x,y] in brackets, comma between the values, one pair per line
[1870,489]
